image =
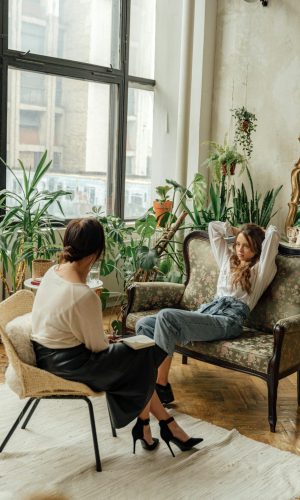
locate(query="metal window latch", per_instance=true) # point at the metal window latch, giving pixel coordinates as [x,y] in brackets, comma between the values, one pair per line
[110,69]
[24,54]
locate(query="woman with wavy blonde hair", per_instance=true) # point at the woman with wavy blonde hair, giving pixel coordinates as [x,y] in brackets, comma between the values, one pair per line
[246,270]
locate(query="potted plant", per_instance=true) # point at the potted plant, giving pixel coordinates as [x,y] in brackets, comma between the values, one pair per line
[245,125]
[224,158]
[162,204]
[26,227]
[258,209]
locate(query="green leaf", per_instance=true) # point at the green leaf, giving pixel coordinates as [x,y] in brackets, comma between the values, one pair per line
[104,297]
[117,326]
[148,258]
[107,267]
[146,226]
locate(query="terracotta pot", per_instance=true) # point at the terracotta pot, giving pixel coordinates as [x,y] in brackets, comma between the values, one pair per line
[160,208]
[40,267]
[231,169]
[245,125]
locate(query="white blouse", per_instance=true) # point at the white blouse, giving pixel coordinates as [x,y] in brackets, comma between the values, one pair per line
[262,273]
[67,314]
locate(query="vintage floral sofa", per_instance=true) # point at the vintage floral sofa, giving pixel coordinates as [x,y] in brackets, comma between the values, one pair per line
[270,345]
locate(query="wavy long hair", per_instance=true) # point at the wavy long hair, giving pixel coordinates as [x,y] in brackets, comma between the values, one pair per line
[83,237]
[241,275]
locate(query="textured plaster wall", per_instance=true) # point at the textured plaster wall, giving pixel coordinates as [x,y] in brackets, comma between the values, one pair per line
[257,64]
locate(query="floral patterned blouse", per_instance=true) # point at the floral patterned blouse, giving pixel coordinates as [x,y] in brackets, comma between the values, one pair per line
[262,273]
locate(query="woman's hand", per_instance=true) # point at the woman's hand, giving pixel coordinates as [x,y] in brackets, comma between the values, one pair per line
[112,339]
[235,230]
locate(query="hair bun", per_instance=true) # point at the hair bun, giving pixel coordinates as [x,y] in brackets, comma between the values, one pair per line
[70,254]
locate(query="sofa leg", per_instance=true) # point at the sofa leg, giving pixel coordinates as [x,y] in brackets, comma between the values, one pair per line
[272,402]
[184,360]
[298,387]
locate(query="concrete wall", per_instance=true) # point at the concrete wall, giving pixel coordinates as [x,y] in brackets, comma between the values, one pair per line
[239,54]
[257,65]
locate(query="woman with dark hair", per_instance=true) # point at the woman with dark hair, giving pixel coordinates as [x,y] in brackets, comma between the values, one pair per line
[69,341]
[245,272]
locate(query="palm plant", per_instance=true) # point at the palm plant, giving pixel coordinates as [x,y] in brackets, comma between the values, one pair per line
[26,227]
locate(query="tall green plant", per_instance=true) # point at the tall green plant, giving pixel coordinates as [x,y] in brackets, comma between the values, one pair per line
[217,208]
[258,209]
[127,247]
[26,227]
[132,248]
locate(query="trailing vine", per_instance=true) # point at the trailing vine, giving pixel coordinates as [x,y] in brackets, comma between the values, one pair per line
[245,125]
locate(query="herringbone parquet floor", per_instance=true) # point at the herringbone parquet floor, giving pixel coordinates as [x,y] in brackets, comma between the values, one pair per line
[231,400]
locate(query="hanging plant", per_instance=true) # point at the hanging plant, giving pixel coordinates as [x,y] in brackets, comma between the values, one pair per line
[245,125]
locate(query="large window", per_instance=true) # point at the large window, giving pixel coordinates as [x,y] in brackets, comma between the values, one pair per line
[74,86]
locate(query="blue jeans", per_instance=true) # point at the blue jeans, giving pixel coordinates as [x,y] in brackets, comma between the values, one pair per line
[220,319]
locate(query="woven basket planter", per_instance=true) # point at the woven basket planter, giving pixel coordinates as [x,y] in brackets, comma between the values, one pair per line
[40,267]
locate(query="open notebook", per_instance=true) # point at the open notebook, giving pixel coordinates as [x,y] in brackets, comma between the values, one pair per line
[138,341]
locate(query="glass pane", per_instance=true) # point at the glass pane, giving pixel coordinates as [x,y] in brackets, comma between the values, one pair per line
[75,122]
[142,38]
[80,30]
[138,153]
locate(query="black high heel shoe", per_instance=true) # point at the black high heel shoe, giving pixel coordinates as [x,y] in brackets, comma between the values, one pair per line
[168,437]
[138,433]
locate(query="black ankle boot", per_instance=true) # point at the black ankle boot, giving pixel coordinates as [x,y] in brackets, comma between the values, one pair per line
[138,433]
[164,393]
[168,437]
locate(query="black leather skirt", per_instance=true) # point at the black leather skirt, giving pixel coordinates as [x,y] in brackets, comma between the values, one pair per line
[127,376]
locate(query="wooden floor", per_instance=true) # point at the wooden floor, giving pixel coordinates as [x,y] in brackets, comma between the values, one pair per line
[231,400]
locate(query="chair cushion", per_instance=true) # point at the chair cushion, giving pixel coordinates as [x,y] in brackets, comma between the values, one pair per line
[18,331]
[252,350]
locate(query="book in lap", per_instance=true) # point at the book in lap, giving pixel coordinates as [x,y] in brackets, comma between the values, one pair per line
[138,342]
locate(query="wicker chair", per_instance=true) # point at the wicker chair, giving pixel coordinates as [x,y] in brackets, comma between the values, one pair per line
[37,384]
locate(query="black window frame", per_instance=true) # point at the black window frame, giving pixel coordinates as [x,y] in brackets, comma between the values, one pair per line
[78,70]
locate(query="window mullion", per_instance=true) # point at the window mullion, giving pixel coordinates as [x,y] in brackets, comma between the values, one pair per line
[3,87]
[120,177]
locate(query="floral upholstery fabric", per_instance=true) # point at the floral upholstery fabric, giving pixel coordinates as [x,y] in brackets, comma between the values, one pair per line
[251,350]
[290,352]
[204,274]
[290,324]
[282,298]
[155,295]
[133,318]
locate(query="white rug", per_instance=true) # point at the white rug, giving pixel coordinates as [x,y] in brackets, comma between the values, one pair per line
[56,454]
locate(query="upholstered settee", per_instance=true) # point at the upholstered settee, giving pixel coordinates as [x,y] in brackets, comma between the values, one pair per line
[270,344]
